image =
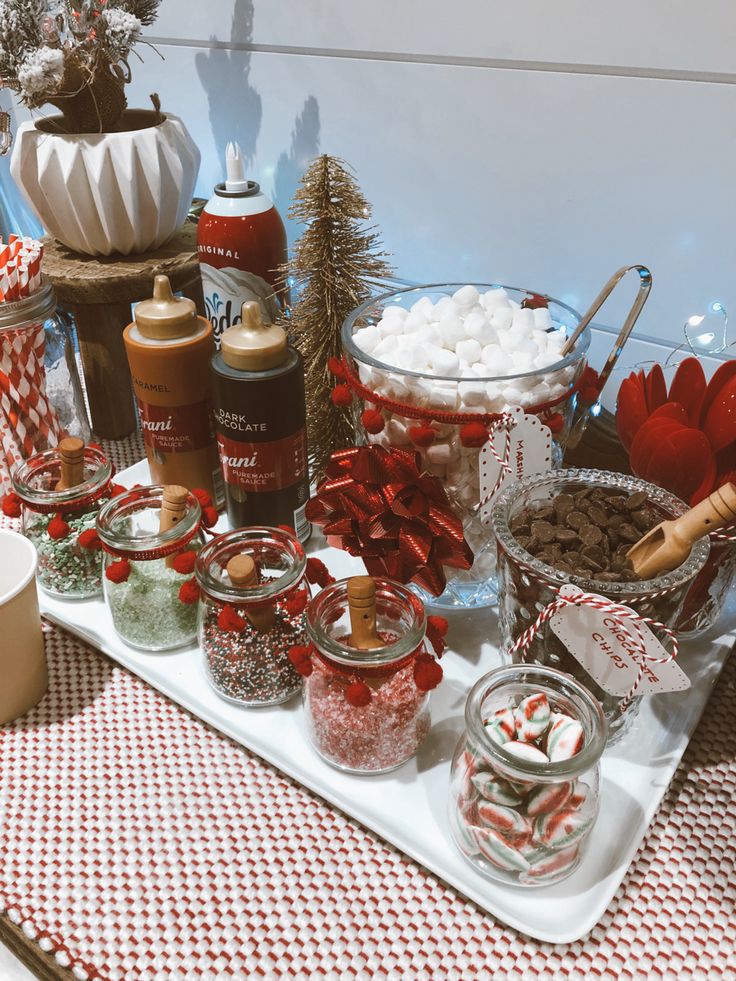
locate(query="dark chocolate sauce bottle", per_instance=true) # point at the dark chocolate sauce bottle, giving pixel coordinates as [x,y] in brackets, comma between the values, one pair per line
[260,419]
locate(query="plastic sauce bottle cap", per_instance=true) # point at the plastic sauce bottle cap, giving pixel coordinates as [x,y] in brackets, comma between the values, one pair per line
[165,317]
[253,345]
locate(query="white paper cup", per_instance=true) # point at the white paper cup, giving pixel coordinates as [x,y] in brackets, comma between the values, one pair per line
[23,677]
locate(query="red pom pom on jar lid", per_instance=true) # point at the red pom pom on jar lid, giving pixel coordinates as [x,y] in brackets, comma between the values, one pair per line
[230,620]
[204,499]
[115,490]
[555,422]
[89,539]
[422,435]
[209,516]
[296,603]
[57,528]
[189,592]
[318,573]
[373,421]
[439,624]
[118,571]
[11,506]
[341,396]
[358,694]
[473,434]
[427,673]
[335,367]
[299,655]
[184,562]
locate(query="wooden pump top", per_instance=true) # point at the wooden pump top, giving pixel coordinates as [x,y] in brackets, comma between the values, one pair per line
[243,572]
[362,607]
[71,452]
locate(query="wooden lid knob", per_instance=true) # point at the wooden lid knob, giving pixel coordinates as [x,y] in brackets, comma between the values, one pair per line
[362,607]
[724,501]
[243,572]
[173,506]
[71,453]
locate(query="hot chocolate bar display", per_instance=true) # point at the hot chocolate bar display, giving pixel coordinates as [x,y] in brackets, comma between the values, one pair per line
[579,696]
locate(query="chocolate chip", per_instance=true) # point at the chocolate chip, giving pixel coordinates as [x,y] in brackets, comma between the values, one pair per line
[588,563]
[545,514]
[563,504]
[566,536]
[576,519]
[544,531]
[590,535]
[594,552]
[635,500]
[629,533]
[642,519]
[598,515]
[618,502]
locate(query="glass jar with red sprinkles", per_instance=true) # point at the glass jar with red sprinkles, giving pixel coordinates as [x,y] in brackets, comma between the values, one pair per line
[253,594]
[367,711]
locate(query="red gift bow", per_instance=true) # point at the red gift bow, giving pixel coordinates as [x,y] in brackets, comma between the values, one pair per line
[376,504]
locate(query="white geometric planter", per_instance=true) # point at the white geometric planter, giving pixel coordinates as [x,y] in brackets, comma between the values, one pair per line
[101,193]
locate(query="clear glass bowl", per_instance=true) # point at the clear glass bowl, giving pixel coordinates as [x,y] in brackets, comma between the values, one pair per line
[457,465]
[527,585]
[517,821]
[708,594]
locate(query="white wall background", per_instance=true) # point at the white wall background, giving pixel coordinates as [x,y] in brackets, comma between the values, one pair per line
[534,143]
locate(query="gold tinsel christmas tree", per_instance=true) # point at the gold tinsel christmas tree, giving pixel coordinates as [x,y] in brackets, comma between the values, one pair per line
[333,262]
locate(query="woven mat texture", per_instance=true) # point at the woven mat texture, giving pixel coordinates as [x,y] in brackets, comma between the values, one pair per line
[137,844]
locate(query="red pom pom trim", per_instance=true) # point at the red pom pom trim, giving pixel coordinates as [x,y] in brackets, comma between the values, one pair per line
[300,658]
[358,694]
[90,539]
[189,592]
[118,571]
[555,423]
[336,368]
[11,506]
[439,624]
[427,673]
[318,573]
[115,490]
[341,396]
[57,528]
[296,603]
[209,516]
[473,434]
[422,435]
[202,496]
[230,620]
[184,562]
[373,421]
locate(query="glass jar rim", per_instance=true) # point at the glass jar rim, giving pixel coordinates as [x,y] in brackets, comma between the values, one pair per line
[92,488]
[354,351]
[336,593]
[604,479]
[548,677]
[260,535]
[37,307]
[141,499]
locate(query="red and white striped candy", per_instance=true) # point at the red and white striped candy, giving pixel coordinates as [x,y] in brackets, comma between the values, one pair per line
[462,828]
[510,823]
[526,752]
[561,829]
[547,798]
[545,864]
[501,726]
[580,793]
[531,717]
[464,772]
[565,738]
[496,790]
[499,852]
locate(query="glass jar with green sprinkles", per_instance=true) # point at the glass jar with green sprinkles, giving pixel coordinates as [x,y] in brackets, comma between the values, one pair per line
[61,523]
[149,562]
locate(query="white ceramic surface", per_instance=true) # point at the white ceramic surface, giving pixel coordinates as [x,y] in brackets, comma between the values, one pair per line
[110,192]
[408,807]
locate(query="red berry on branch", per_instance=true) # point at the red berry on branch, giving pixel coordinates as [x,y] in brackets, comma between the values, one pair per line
[184,562]
[57,528]
[189,592]
[11,506]
[473,434]
[341,396]
[90,539]
[422,435]
[118,571]
[358,694]
[373,421]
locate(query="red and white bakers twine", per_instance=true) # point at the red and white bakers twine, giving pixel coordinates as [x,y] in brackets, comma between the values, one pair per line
[619,613]
[506,422]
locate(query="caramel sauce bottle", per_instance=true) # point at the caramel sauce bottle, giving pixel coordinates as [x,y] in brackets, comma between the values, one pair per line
[260,418]
[169,348]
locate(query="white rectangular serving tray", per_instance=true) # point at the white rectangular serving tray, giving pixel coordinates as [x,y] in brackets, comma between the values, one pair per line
[408,807]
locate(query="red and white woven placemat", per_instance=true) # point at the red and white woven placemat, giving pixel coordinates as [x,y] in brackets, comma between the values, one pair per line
[138,844]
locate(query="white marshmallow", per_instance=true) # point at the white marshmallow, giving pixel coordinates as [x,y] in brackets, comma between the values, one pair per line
[496,360]
[511,339]
[411,357]
[502,317]
[430,335]
[494,394]
[524,320]
[442,396]
[479,369]
[412,324]
[367,337]
[468,351]
[391,326]
[474,324]
[511,395]
[543,318]
[384,349]
[394,311]
[444,362]
[495,298]
[396,432]
[466,296]
[423,308]
[442,306]
[545,359]
[439,453]
[556,338]
[451,329]
[523,361]
[473,393]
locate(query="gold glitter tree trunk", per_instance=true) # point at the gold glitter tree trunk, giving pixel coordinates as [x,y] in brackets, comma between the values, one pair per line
[333,261]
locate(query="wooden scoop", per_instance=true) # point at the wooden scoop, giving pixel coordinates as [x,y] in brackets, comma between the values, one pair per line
[243,572]
[362,606]
[668,545]
[71,451]
[173,509]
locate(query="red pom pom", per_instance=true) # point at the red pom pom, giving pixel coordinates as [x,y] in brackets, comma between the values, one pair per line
[341,396]
[118,571]
[184,562]
[358,694]
[534,302]
[57,528]
[589,386]
[209,516]
[202,496]
[301,660]
[555,422]
[189,592]
[422,435]
[373,421]
[439,624]
[318,573]
[296,603]
[11,506]
[95,446]
[473,434]
[115,490]
[335,366]
[229,619]
[427,673]
[288,529]
[90,539]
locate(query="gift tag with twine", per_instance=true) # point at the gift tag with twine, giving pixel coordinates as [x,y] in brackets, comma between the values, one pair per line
[519,445]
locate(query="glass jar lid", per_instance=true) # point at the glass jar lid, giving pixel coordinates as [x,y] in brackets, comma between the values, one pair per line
[34,481]
[278,555]
[33,309]
[129,524]
[399,614]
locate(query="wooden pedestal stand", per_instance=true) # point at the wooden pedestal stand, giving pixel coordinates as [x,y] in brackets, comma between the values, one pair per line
[98,292]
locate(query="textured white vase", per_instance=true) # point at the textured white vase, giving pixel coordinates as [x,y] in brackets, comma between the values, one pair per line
[101,193]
